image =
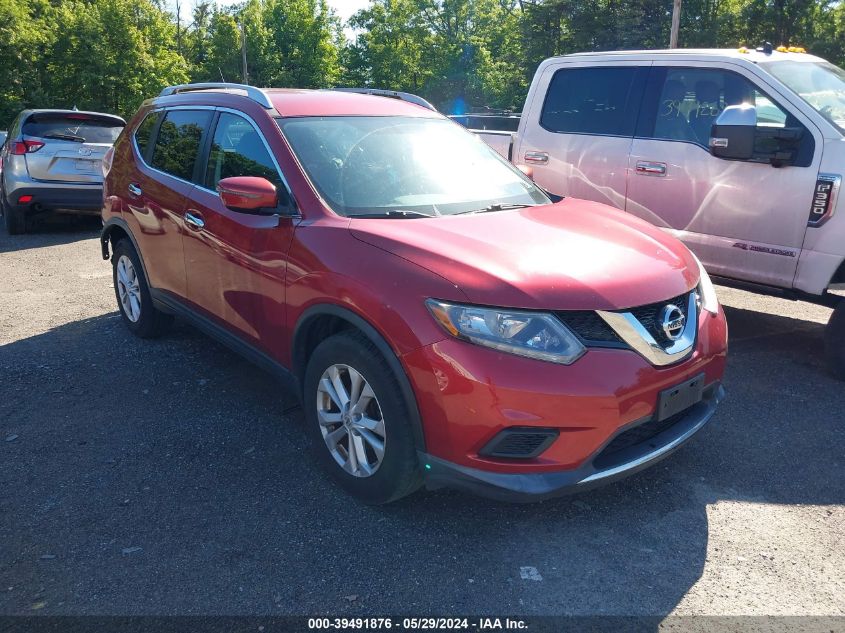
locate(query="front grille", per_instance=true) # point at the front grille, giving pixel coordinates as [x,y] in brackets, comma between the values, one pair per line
[649,316]
[594,331]
[633,437]
[589,327]
[519,443]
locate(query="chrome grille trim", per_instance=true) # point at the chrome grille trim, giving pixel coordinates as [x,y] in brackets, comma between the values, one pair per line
[635,334]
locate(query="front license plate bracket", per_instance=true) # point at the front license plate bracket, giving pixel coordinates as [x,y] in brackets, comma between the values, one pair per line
[680,397]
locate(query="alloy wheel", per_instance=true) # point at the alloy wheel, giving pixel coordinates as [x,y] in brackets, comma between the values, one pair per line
[351,420]
[128,289]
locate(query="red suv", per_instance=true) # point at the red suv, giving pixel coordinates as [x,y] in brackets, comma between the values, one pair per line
[445,322]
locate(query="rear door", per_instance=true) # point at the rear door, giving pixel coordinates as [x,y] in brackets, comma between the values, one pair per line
[743,219]
[74,145]
[167,146]
[578,138]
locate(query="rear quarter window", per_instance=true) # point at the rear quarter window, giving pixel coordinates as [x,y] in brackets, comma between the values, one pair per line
[83,128]
[144,131]
[603,100]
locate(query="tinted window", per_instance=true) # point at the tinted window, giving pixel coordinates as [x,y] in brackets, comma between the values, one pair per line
[80,127]
[692,98]
[142,134]
[178,142]
[238,150]
[593,101]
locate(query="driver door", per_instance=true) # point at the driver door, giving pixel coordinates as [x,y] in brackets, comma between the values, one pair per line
[743,219]
[236,261]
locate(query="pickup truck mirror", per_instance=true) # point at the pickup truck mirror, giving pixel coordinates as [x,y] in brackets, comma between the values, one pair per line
[732,135]
[736,136]
[248,194]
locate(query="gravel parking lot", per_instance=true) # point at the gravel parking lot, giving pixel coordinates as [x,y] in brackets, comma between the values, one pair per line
[171,477]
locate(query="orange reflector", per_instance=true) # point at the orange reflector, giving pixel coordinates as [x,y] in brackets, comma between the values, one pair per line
[442,317]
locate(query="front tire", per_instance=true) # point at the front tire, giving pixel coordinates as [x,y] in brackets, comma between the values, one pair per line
[136,306]
[834,341]
[357,420]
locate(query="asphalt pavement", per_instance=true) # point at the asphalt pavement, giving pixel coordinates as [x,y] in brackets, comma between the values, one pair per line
[172,477]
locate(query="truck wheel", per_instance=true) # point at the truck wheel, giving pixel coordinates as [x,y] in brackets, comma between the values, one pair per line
[13,219]
[358,421]
[139,314]
[834,341]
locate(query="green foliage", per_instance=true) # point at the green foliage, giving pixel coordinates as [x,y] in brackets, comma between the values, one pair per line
[111,54]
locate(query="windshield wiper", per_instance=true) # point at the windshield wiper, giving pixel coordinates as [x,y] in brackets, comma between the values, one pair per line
[497,206]
[65,137]
[402,214]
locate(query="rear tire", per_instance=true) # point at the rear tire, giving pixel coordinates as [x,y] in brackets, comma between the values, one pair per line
[136,306]
[13,219]
[378,431]
[834,341]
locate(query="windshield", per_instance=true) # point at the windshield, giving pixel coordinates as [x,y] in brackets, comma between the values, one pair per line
[820,84]
[404,167]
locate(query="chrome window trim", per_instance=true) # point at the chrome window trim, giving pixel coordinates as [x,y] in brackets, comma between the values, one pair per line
[632,332]
[165,109]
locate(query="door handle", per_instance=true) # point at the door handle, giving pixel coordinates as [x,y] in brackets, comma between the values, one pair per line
[194,221]
[134,189]
[538,158]
[648,168]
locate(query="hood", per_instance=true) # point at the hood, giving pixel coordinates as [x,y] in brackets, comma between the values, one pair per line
[573,255]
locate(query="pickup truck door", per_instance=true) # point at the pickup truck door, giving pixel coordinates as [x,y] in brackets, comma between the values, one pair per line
[745,220]
[578,125]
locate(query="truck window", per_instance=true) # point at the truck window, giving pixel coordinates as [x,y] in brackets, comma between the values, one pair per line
[603,100]
[692,98]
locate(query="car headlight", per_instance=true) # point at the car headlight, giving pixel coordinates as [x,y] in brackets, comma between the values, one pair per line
[533,334]
[707,298]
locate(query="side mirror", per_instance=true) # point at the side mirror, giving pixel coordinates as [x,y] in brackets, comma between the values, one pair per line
[732,135]
[248,193]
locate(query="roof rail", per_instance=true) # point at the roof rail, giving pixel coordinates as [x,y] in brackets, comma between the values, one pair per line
[393,94]
[256,94]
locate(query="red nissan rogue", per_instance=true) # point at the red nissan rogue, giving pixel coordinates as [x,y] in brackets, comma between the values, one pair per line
[444,320]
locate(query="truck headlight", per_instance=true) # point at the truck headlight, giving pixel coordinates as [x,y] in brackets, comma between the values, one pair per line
[707,298]
[536,335]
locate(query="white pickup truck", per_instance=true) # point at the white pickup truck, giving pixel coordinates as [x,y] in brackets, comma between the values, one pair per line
[740,153]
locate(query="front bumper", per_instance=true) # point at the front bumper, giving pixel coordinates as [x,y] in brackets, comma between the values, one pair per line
[598,470]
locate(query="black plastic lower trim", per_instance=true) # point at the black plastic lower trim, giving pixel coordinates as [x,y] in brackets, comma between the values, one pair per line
[87,201]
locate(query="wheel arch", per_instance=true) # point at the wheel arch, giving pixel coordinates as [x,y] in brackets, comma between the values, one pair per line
[113,231]
[323,320]
[838,278]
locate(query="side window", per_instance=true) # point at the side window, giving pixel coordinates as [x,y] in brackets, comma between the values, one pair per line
[238,150]
[691,99]
[177,145]
[603,100]
[143,132]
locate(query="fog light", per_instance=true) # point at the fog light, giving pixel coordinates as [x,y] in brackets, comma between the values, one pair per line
[24,199]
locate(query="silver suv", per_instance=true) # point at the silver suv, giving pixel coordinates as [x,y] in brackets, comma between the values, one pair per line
[52,162]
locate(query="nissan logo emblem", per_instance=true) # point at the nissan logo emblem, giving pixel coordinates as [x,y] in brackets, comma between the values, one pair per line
[672,321]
